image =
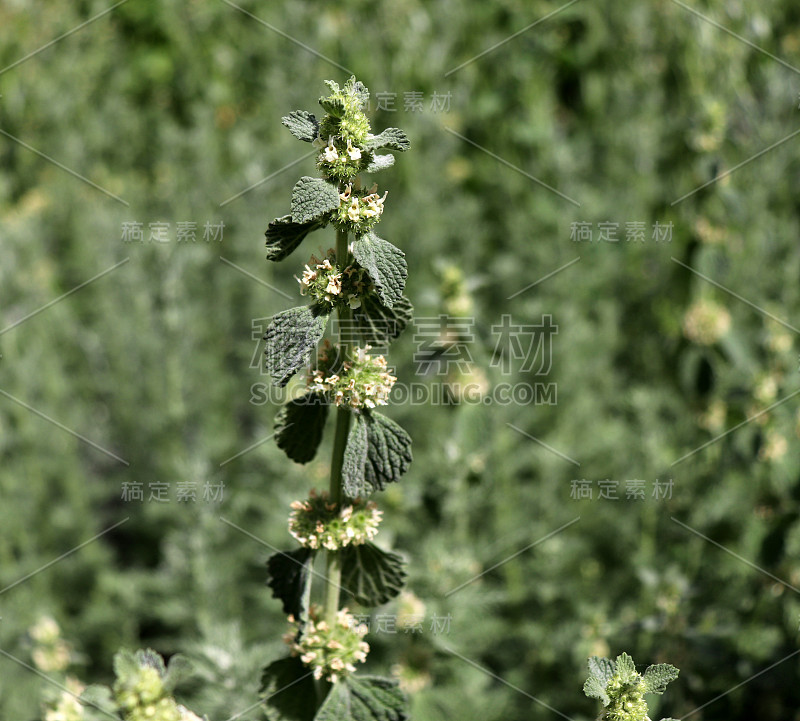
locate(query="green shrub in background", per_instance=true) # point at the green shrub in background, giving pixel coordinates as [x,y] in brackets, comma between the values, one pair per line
[624,107]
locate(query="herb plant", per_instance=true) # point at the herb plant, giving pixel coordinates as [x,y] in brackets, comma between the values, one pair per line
[621,689]
[359,284]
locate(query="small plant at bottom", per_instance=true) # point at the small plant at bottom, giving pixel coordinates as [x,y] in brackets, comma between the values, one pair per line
[142,692]
[621,689]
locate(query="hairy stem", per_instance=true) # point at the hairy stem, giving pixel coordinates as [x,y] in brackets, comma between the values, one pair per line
[334,567]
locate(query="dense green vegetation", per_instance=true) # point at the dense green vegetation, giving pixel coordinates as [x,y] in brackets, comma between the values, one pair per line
[625,107]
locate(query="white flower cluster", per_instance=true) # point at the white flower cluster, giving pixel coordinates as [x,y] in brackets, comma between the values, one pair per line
[330,651]
[706,322]
[364,383]
[50,652]
[330,154]
[323,281]
[67,708]
[319,523]
[360,212]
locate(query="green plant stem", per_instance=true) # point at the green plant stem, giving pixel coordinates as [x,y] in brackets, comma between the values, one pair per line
[333,561]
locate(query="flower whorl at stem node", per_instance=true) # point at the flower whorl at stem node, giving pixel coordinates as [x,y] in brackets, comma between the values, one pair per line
[325,282]
[359,211]
[330,650]
[319,523]
[363,382]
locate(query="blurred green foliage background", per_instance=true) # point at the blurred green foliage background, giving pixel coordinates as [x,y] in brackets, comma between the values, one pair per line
[624,106]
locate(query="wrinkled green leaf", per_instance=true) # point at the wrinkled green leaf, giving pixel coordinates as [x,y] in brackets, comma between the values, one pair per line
[287,687]
[287,572]
[334,106]
[147,658]
[299,425]
[387,456]
[179,669]
[99,697]
[380,162]
[361,90]
[625,667]
[376,324]
[302,124]
[603,668]
[388,451]
[364,698]
[595,688]
[125,663]
[385,264]
[290,339]
[657,677]
[284,235]
[393,138]
[312,198]
[355,458]
[373,576]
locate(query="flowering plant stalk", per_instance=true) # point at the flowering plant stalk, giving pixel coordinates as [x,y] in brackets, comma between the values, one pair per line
[359,283]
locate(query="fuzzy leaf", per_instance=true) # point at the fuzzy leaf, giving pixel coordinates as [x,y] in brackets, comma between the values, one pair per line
[380,162]
[355,459]
[373,576]
[376,324]
[378,452]
[179,669]
[125,664]
[299,425]
[393,138]
[364,698]
[312,198]
[147,658]
[302,124]
[385,264]
[658,676]
[603,668]
[290,338]
[287,573]
[388,451]
[284,235]
[595,688]
[361,90]
[332,105]
[99,697]
[288,688]
[626,668]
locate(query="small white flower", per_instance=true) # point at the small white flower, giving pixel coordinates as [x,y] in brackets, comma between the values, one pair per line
[353,212]
[330,154]
[354,153]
